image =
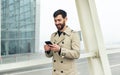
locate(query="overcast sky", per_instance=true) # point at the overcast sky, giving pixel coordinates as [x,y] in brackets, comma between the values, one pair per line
[108,12]
[109,16]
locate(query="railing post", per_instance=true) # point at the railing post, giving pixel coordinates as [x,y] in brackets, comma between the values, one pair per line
[92,37]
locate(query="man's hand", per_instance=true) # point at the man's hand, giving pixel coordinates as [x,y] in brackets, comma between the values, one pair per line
[55,47]
[47,47]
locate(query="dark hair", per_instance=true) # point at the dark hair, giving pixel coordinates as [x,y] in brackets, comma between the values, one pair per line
[60,12]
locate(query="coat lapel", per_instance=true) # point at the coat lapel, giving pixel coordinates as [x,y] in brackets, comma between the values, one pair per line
[59,39]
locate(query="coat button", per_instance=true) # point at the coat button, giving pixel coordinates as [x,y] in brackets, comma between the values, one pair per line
[62,42]
[61,71]
[61,61]
[54,60]
[63,33]
[54,70]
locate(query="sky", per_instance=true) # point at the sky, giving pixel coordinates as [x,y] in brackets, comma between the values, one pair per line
[108,13]
[109,17]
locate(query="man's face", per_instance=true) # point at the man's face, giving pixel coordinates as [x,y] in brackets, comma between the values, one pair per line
[60,22]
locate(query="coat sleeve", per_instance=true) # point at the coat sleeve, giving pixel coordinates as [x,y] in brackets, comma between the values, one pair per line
[50,53]
[74,53]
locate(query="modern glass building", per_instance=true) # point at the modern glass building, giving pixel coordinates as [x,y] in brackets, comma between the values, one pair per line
[17,26]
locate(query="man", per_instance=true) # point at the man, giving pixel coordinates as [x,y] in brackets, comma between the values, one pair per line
[65,48]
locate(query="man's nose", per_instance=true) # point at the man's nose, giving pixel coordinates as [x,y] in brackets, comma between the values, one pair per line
[57,22]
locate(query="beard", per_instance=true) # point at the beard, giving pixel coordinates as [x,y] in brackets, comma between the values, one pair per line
[60,26]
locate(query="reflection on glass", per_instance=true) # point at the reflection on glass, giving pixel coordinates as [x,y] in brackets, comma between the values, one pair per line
[17,26]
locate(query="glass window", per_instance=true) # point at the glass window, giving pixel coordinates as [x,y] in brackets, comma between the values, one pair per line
[27,7]
[3,34]
[28,26]
[27,14]
[17,5]
[3,25]
[17,11]
[15,18]
[13,46]
[12,35]
[21,3]
[23,48]
[27,1]
[22,16]
[21,10]
[3,48]
[28,20]
[11,1]
[11,7]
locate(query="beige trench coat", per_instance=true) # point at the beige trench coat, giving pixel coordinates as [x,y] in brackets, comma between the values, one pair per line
[64,62]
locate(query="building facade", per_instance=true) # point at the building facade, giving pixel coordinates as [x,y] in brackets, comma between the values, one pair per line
[18,26]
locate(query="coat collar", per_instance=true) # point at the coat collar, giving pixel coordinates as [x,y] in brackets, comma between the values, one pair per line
[67,31]
[62,37]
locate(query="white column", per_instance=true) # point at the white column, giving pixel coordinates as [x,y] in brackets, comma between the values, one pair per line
[37,26]
[92,37]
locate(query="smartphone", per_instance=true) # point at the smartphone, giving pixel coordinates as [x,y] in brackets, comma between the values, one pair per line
[48,42]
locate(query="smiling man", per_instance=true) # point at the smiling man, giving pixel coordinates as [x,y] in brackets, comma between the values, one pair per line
[65,47]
